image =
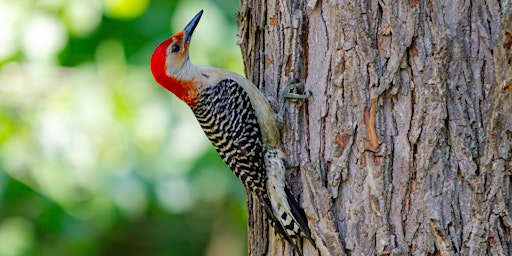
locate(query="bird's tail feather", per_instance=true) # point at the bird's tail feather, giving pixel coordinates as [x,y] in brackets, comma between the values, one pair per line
[298,215]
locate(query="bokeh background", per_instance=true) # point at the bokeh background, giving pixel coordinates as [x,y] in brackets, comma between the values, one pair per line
[95,157]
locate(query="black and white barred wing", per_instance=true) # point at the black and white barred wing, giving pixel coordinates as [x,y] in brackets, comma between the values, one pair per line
[225,113]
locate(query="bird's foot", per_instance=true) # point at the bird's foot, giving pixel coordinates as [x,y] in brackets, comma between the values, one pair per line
[288,95]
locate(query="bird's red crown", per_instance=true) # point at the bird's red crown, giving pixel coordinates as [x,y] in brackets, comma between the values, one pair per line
[169,58]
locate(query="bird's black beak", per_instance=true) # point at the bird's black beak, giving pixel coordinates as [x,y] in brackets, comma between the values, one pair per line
[189,29]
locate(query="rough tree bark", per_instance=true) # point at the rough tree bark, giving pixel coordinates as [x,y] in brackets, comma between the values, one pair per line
[405,146]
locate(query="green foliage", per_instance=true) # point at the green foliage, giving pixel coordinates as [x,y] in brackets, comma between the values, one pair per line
[96,158]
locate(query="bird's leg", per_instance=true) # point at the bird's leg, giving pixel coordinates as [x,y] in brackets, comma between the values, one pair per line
[288,95]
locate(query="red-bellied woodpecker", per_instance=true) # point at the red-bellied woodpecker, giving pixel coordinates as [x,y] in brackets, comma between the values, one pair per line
[240,124]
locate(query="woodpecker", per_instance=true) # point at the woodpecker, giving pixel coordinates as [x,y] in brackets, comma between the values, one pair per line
[240,124]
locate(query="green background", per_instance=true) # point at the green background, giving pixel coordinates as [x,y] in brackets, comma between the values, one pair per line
[95,157]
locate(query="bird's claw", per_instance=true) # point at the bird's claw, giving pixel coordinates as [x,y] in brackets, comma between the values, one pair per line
[288,95]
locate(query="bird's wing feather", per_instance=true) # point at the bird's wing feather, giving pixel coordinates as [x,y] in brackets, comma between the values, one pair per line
[228,119]
[270,133]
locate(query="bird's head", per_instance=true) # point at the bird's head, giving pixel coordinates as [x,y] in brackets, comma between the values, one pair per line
[170,64]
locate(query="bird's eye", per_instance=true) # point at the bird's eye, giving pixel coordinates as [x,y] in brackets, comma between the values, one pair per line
[175,48]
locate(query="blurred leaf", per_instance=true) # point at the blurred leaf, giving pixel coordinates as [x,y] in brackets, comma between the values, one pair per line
[125,9]
[95,158]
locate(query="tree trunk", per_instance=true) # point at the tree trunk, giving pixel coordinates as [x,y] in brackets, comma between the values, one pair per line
[405,146]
